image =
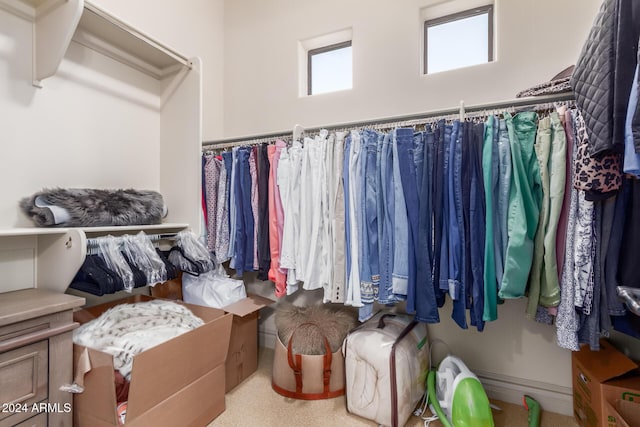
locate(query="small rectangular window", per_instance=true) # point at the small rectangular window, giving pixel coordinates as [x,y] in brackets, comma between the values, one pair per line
[458,40]
[329,68]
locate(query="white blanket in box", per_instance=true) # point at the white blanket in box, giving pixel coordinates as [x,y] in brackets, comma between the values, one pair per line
[128,329]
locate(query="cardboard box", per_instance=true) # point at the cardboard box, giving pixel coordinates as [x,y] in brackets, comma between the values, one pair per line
[600,378]
[623,413]
[180,382]
[242,357]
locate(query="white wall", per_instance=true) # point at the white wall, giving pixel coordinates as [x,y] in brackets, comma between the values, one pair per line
[66,134]
[193,28]
[534,41]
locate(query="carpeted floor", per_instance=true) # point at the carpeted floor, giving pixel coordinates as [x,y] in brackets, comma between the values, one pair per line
[254,403]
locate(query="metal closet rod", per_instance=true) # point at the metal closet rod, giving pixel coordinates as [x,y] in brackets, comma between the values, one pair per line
[513,103]
[94,241]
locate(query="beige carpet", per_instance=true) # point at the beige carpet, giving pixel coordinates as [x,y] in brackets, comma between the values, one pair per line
[254,403]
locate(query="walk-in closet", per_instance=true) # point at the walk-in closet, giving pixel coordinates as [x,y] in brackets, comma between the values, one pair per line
[279,213]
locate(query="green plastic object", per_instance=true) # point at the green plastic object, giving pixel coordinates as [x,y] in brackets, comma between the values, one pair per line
[471,406]
[431,390]
[533,407]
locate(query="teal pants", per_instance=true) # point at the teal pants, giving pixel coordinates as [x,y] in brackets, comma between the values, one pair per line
[524,204]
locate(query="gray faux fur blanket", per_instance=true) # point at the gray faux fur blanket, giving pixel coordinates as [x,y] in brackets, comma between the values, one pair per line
[332,324]
[85,207]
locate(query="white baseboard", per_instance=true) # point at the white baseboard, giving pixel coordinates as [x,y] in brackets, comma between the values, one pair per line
[552,398]
[267,339]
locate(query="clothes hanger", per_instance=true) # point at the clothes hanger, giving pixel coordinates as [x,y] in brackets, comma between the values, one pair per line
[298,131]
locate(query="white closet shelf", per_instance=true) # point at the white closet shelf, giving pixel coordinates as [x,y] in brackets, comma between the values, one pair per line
[58,22]
[30,231]
[29,9]
[128,228]
[61,251]
[104,33]
[41,231]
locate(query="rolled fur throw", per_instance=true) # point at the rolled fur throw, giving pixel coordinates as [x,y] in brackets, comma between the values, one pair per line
[331,323]
[85,207]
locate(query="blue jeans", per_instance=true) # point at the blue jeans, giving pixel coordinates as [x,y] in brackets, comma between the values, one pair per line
[405,144]
[369,264]
[456,229]
[467,277]
[233,206]
[476,225]
[446,189]
[385,289]
[438,208]
[400,273]
[380,179]
[418,157]
[426,304]
[244,215]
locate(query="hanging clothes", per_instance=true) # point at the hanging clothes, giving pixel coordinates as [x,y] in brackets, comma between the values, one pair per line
[370,262]
[480,211]
[386,209]
[491,286]
[501,183]
[476,228]
[314,213]
[337,285]
[289,169]
[351,218]
[550,150]
[524,204]
[221,248]
[404,148]
[426,305]
[211,175]
[276,274]
[253,173]
[264,254]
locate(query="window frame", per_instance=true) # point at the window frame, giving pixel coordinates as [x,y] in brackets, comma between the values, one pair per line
[470,13]
[319,50]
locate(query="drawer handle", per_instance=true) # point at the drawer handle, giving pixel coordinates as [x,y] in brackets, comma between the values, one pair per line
[36,336]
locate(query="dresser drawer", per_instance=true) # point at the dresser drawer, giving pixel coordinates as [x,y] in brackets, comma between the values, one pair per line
[24,378]
[39,420]
[36,329]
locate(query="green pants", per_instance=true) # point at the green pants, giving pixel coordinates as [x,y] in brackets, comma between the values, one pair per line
[524,204]
[551,148]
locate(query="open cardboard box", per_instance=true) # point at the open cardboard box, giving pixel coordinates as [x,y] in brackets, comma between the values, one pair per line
[242,357]
[600,379]
[623,413]
[178,383]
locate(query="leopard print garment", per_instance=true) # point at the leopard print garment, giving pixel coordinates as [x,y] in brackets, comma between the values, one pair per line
[602,175]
